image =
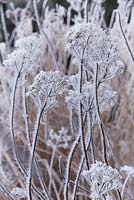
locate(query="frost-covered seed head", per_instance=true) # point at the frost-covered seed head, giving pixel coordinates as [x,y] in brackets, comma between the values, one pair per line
[47,86]
[90,43]
[107,97]
[28,54]
[102,179]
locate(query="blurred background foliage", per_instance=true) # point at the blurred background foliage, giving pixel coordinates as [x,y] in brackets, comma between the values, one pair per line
[108,4]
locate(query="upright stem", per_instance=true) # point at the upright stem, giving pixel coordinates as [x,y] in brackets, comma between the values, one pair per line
[68,166]
[43,185]
[81,127]
[23,170]
[37,126]
[83,157]
[71,121]
[26,117]
[124,185]
[92,149]
[127,44]
[7,193]
[44,34]
[3,22]
[51,165]
[86,10]
[12,125]
[101,126]
[24,101]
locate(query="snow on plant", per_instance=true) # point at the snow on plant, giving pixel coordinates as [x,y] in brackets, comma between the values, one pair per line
[106,96]
[98,57]
[102,179]
[52,23]
[22,19]
[77,42]
[93,45]
[28,54]
[60,139]
[122,24]
[18,193]
[76,5]
[45,88]
[97,12]
[47,85]
[129,171]
[54,19]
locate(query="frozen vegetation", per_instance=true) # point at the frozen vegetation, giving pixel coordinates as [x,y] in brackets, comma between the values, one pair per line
[66,101]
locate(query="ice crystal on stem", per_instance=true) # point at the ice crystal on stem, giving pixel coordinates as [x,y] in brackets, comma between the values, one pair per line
[102,179]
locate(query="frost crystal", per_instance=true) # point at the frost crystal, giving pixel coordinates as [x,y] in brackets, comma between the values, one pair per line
[28,55]
[48,85]
[60,139]
[102,179]
[18,193]
[128,170]
[107,97]
[93,45]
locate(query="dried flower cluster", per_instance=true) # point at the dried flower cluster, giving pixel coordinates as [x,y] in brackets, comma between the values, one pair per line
[102,179]
[28,54]
[66,61]
[94,46]
[47,85]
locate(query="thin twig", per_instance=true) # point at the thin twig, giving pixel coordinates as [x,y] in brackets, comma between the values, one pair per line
[43,33]
[83,158]
[26,117]
[3,22]
[101,126]
[81,127]
[33,148]
[12,123]
[68,166]
[127,44]
[124,185]
[6,192]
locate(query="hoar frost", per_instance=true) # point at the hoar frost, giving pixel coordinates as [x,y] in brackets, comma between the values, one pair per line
[102,179]
[93,46]
[28,54]
[128,170]
[18,193]
[60,139]
[107,97]
[47,85]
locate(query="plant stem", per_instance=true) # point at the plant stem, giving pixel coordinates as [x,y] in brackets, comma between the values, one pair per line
[43,33]
[33,148]
[101,126]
